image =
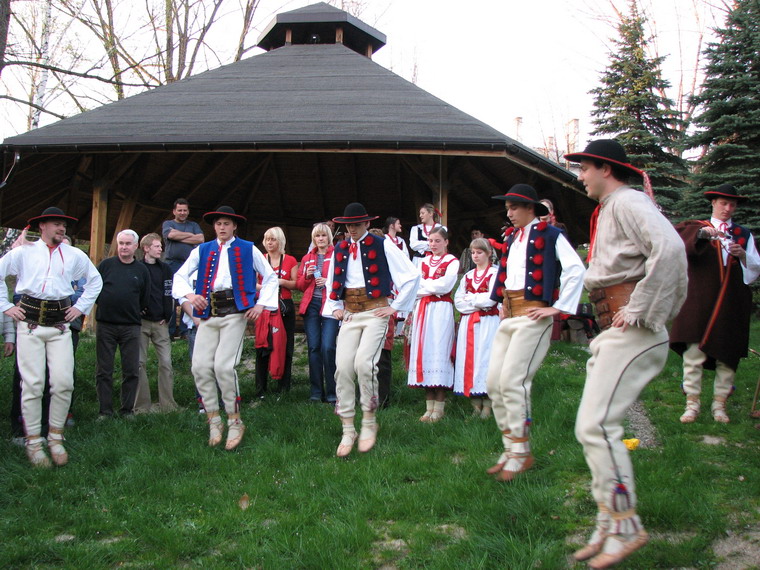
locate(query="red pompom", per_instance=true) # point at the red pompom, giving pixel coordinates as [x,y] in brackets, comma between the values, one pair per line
[737,231]
[343,244]
[336,285]
[372,254]
[741,241]
[338,270]
[541,226]
[540,243]
[503,261]
[500,291]
[339,257]
[538,259]
[375,281]
[509,231]
[334,296]
[538,290]
[369,240]
[373,268]
[537,274]
[375,294]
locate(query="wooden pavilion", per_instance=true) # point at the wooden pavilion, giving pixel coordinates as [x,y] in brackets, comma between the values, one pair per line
[288,138]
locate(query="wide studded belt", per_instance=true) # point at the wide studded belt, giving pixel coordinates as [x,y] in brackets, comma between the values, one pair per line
[44,312]
[516,305]
[609,300]
[357,301]
[223,303]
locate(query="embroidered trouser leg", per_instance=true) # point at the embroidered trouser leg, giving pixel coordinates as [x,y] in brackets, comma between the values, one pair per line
[360,341]
[218,345]
[519,346]
[622,363]
[37,347]
[693,362]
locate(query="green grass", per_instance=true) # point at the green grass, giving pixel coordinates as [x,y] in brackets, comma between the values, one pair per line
[150,493]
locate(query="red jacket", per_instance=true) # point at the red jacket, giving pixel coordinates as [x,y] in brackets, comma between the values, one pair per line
[307,283]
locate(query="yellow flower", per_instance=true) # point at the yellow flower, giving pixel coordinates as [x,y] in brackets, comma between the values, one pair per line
[631,444]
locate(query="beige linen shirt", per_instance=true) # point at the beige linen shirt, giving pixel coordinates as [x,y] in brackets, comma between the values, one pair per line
[634,241]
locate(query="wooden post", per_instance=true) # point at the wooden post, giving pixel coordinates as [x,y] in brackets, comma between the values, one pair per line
[125,217]
[339,35]
[288,37]
[98,226]
[441,196]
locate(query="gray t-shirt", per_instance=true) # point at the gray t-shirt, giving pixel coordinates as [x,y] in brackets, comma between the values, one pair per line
[176,250]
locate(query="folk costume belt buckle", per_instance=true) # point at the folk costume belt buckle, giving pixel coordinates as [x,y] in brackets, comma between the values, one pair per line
[214,309]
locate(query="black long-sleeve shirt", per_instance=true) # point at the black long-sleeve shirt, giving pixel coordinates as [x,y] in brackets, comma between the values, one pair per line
[124,296]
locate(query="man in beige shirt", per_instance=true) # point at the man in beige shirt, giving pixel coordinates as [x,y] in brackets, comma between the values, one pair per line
[637,278]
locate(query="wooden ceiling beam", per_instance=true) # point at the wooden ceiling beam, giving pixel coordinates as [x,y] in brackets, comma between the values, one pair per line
[176,171]
[210,175]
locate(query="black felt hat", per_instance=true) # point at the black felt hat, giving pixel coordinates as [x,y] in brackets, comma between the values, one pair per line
[606,150]
[354,214]
[526,194]
[725,191]
[223,212]
[51,213]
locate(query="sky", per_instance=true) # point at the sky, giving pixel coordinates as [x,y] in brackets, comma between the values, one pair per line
[498,60]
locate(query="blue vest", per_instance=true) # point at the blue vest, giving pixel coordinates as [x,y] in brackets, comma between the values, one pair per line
[243,274]
[739,234]
[377,275]
[542,269]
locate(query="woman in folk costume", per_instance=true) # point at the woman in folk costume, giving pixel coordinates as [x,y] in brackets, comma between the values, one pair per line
[480,319]
[419,235]
[285,268]
[321,332]
[430,358]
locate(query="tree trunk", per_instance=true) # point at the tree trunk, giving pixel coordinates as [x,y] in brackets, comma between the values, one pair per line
[5,18]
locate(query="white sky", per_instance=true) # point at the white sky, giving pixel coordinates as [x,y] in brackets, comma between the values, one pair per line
[502,59]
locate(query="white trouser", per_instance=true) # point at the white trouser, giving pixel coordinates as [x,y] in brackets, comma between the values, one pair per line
[218,345]
[693,361]
[622,363]
[37,347]
[360,341]
[519,346]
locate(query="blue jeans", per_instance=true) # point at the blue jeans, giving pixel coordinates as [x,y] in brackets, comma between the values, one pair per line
[321,337]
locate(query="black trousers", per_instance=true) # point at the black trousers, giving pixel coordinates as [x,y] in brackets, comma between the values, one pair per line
[127,338]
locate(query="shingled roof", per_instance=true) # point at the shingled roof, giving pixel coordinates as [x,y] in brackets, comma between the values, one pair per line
[287,137]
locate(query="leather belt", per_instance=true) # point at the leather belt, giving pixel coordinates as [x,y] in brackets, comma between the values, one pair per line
[44,312]
[357,301]
[223,303]
[609,300]
[516,305]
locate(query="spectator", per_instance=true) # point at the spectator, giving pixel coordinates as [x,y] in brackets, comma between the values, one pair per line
[285,268]
[465,260]
[418,236]
[126,286]
[321,332]
[181,237]
[154,328]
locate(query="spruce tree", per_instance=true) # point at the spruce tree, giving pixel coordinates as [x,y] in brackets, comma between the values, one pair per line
[629,105]
[728,117]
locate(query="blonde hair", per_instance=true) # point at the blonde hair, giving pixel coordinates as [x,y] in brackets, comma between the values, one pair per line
[430,208]
[148,240]
[320,229]
[279,236]
[482,244]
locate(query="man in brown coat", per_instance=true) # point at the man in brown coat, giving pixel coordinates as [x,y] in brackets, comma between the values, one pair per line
[712,329]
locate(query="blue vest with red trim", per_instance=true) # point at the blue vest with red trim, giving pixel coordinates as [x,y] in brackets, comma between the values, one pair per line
[243,274]
[542,269]
[739,234]
[377,274]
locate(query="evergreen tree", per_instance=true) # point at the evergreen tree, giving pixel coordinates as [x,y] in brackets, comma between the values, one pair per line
[629,105]
[728,119]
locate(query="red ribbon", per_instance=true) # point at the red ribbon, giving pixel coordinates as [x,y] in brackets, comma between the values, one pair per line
[592,231]
[353,248]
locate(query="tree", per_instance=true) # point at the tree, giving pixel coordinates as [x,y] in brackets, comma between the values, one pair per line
[630,105]
[728,116]
[5,19]
[67,56]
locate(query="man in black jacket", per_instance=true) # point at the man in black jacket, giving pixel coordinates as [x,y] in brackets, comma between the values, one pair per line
[126,284]
[155,328]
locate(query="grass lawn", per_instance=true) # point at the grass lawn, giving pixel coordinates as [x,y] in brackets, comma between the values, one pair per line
[148,492]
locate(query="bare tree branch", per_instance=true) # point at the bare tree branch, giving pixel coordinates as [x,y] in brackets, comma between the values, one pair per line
[32,105]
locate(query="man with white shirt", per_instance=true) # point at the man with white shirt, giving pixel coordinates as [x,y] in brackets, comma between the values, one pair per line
[712,329]
[636,277]
[538,266]
[44,272]
[224,298]
[363,271]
